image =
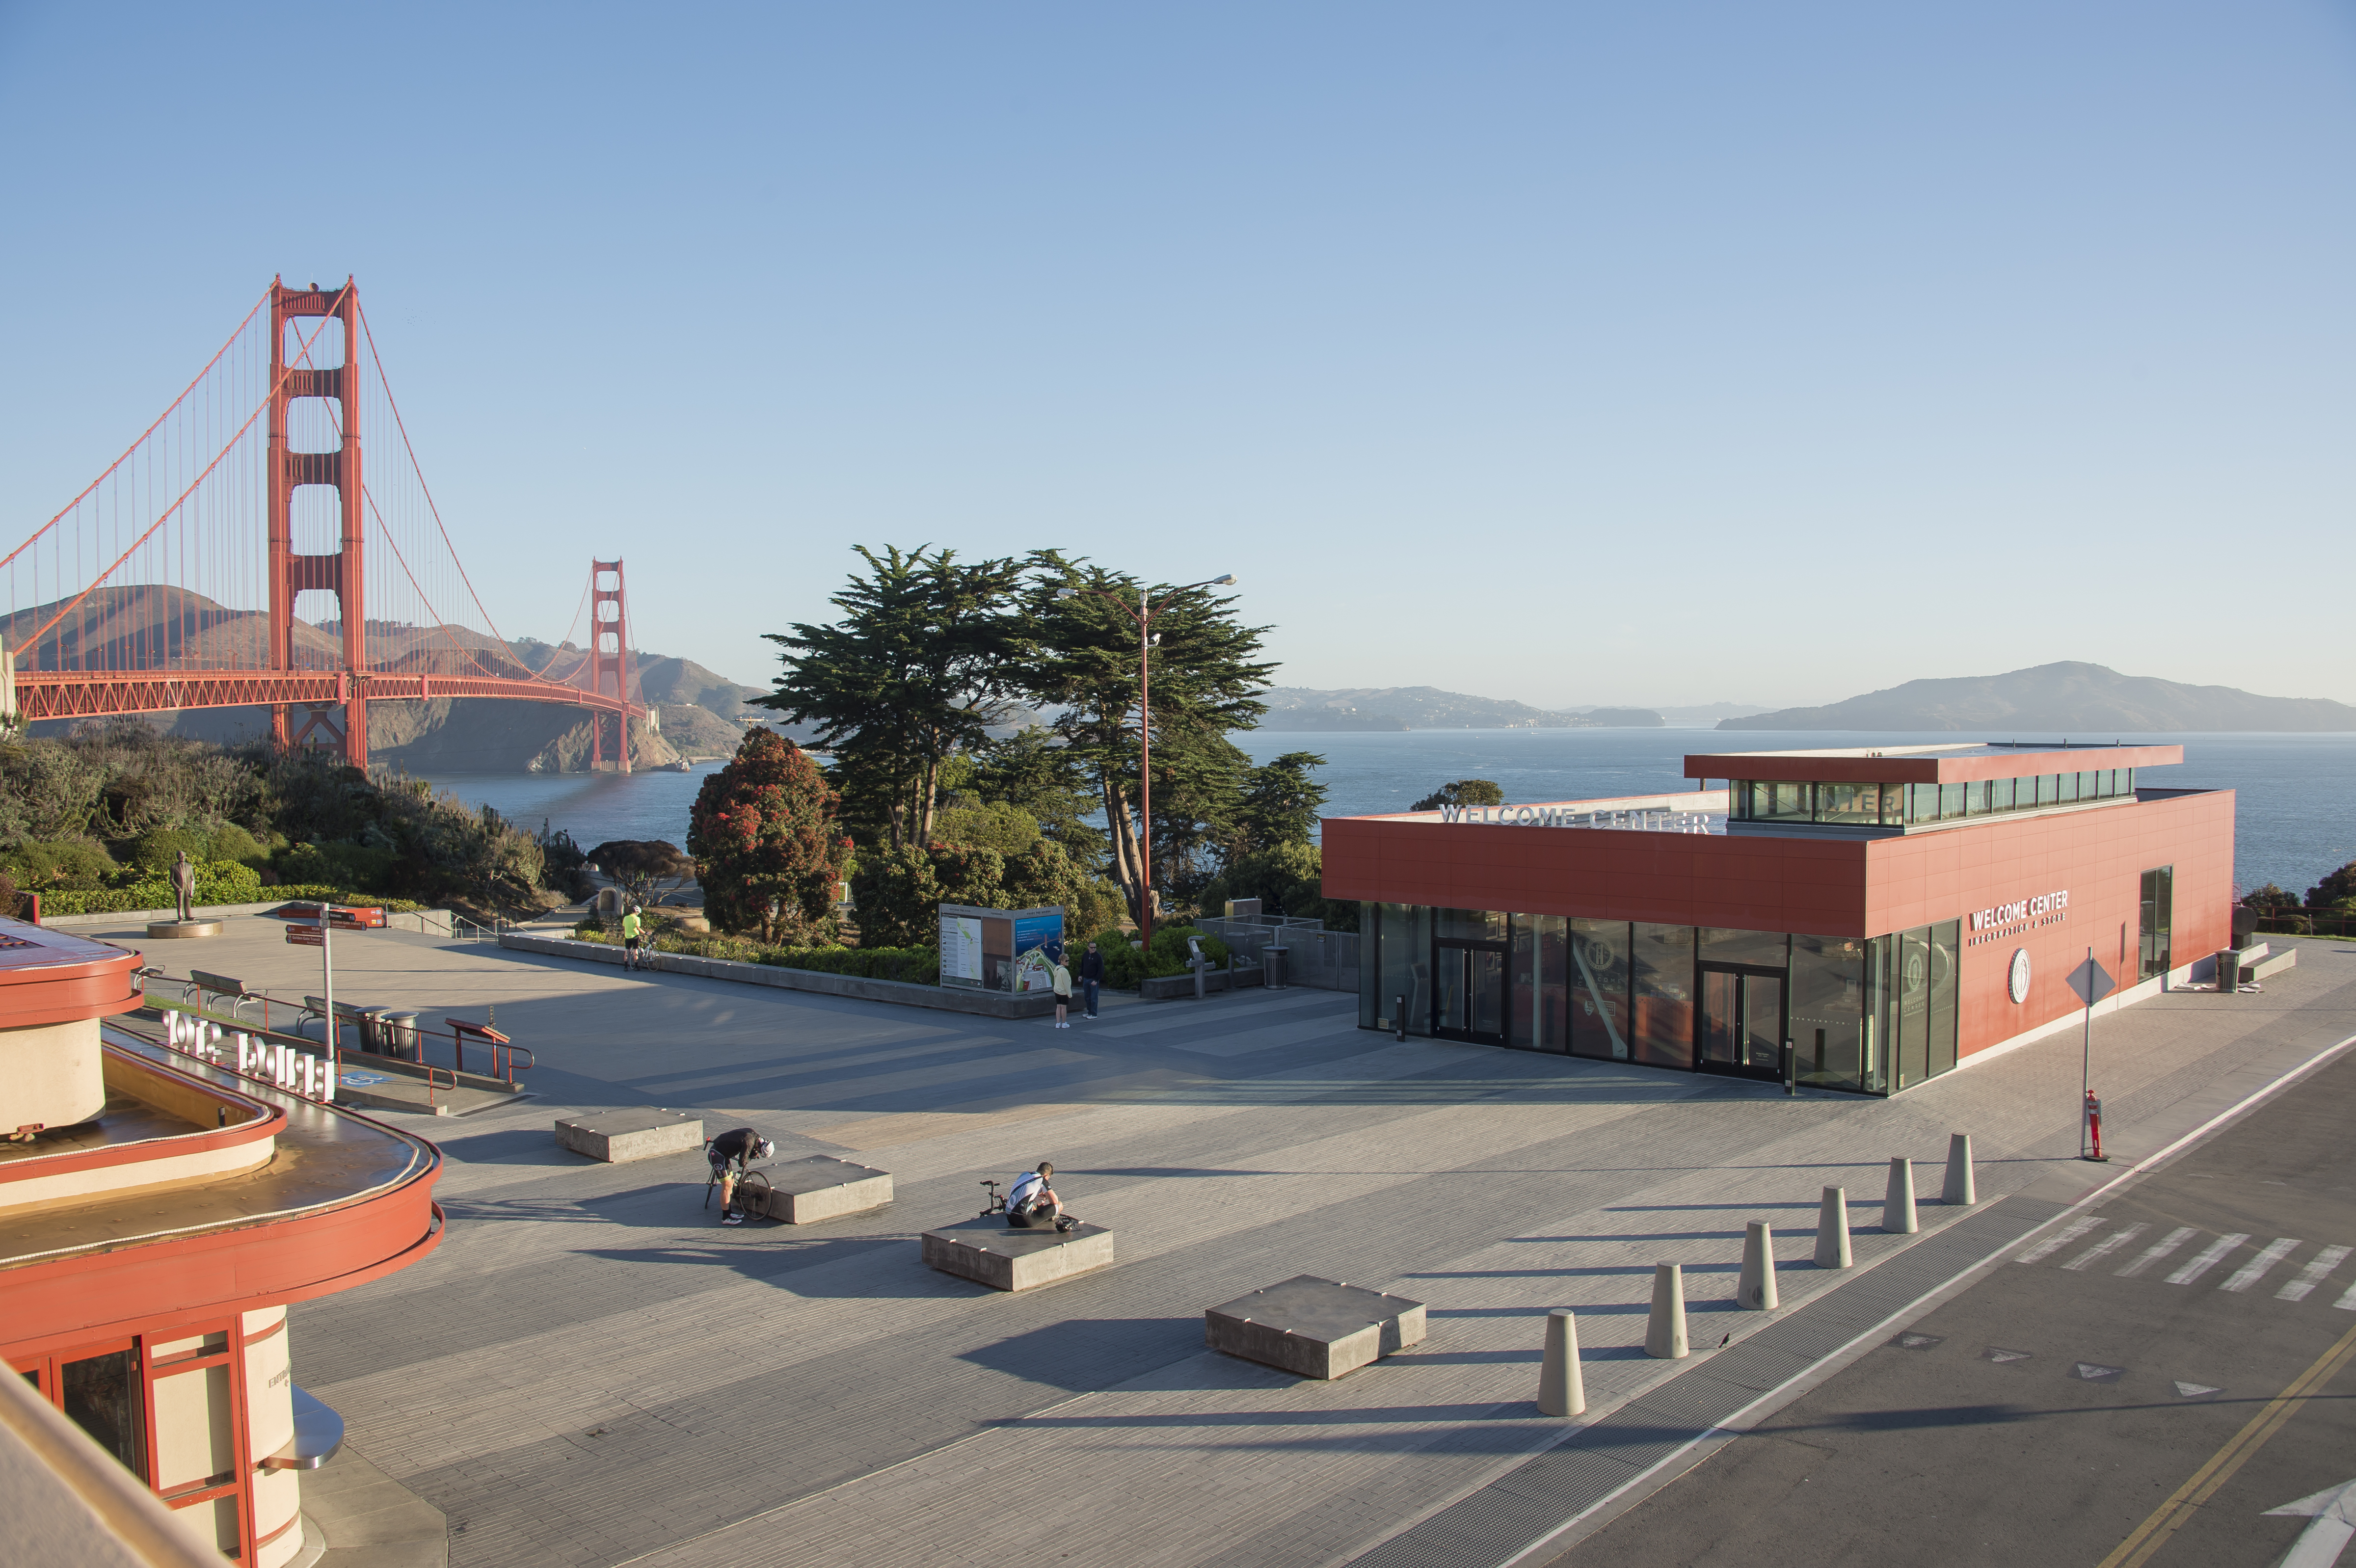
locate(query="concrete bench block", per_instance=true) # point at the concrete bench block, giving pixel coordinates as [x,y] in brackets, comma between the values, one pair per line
[804,1191]
[1314,1328]
[988,1253]
[641,1133]
[2287,958]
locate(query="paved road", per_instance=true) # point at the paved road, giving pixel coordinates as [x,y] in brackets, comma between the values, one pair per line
[2125,1361]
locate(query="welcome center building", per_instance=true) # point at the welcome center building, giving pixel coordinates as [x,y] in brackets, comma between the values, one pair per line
[1886,912]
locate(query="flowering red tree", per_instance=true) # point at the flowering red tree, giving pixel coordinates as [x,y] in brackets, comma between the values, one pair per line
[767,848]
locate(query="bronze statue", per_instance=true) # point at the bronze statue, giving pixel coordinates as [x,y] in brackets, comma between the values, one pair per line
[183,886]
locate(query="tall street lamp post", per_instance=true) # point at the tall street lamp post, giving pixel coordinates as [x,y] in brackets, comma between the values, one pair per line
[1143,615]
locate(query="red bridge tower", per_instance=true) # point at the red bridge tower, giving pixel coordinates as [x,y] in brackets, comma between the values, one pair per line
[609,654]
[342,573]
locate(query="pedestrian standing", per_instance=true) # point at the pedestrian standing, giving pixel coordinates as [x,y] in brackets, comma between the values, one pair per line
[631,926]
[1062,979]
[1091,976]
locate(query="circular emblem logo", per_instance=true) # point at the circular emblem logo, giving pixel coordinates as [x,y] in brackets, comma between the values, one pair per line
[2017,983]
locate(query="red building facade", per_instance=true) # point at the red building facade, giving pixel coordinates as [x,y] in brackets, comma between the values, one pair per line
[1879,914]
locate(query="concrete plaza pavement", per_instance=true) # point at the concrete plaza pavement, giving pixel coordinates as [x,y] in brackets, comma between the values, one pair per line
[591,1371]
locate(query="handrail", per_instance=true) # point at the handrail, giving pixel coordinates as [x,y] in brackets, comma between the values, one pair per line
[503,1058]
[343,1054]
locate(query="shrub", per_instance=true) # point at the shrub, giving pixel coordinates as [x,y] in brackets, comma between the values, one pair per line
[343,864]
[72,863]
[1125,965]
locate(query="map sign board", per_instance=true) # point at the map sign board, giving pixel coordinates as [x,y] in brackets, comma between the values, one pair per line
[960,950]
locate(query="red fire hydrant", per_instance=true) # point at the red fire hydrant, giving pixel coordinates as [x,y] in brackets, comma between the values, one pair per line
[2095,1124]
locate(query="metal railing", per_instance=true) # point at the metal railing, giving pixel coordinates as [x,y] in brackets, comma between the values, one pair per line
[2306,922]
[1314,956]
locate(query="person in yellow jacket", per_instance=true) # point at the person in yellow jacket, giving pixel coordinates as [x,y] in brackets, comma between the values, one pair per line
[633,923]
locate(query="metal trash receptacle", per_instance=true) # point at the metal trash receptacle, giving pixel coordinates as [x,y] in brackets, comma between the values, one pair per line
[399,1029]
[1273,958]
[373,1037]
[2228,969]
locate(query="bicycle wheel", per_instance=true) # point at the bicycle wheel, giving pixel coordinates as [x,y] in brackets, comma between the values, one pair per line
[752,1199]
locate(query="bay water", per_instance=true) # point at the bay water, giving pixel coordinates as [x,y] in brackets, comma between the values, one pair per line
[2295,816]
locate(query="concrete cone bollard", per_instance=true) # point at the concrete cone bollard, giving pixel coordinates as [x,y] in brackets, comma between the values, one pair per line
[1755,1290]
[1898,1208]
[1959,1192]
[1561,1390]
[1832,1230]
[1665,1334]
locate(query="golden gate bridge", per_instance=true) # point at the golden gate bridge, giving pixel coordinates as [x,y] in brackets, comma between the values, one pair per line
[179,578]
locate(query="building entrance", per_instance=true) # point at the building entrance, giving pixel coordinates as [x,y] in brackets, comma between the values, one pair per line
[1739,1027]
[1469,991]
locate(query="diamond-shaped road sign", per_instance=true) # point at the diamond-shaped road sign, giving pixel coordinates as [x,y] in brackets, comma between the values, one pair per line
[2091,982]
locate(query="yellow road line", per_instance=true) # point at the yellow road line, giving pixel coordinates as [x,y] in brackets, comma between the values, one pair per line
[2185,1501]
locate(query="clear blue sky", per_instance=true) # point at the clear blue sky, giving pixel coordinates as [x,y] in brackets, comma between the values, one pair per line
[1574,353]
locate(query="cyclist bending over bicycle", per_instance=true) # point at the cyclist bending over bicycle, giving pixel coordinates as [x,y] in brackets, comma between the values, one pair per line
[732,1154]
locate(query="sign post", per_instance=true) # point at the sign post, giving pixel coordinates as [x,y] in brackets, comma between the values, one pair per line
[2091,983]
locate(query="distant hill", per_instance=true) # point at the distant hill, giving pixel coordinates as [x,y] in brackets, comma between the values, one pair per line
[1296,708]
[2067,700]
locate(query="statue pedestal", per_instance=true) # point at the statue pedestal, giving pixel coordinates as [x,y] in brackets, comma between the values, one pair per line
[171,928]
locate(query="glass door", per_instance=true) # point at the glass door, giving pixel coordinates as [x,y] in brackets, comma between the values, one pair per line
[1469,1000]
[1739,1027]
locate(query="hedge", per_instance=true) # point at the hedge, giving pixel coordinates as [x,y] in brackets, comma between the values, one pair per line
[911,966]
[210,893]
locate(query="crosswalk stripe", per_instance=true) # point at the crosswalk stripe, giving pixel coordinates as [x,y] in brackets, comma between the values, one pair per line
[2105,1247]
[2209,1257]
[2347,1302]
[2250,1273]
[2313,1275]
[2060,1239]
[2159,1250]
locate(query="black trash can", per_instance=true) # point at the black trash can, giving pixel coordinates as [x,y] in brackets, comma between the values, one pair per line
[2228,969]
[401,1040]
[1272,957]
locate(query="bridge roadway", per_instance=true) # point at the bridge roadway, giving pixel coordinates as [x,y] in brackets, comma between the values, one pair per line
[591,1371]
[78,694]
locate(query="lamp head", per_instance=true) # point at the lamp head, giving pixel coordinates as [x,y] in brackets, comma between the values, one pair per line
[1227,582]
[1067,593]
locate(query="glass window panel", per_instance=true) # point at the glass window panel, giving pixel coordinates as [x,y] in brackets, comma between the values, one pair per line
[2157,922]
[2126,782]
[2048,789]
[1944,954]
[1521,995]
[1828,1010]
[1599,989]
[1921,803]
[1738,798]
[1776,800]
[1407,966]
[1662,958]
[1553,1001]
[1765,948]
[1893,805]
[2090,785]
[1472,924]
[1951,801]
[102,1395]
[2069,786]
[1880,954]
[1913,986]
[1999,795]
[1849,803]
